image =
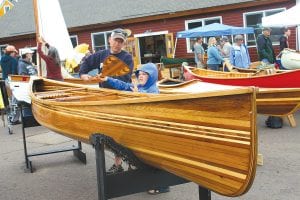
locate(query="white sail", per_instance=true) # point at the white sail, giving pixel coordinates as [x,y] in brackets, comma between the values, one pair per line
[52,27]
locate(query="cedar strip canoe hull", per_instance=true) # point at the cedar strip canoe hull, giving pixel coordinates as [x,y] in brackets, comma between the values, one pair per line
[198,138]
[269,101]
[288,79]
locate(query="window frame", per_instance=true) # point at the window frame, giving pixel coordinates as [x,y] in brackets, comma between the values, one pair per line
[76,37]
[259,26]
[186,23]
[106,35]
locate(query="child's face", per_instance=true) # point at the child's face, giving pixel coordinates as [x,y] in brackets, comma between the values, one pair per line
[143,77]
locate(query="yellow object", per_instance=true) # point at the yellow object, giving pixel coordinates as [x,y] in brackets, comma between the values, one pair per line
[79,52]
[1,101]
[5,6]
[82,48]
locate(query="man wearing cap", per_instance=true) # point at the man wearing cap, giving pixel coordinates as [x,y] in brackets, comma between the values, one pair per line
[225,47]
[117,41]
[9,62]
[25,66]
[264,47]
[199,53]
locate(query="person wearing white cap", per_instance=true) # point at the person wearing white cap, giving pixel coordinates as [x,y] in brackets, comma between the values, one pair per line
[25,66]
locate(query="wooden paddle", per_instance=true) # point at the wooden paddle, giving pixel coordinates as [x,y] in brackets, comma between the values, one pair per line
[112,66]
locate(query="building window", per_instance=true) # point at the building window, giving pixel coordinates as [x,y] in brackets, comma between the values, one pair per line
[74,40]
[100,40]
[190,24]
[254,19]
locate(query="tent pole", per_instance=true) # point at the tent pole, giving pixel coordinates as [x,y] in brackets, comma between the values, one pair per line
[175,48]
[297,37]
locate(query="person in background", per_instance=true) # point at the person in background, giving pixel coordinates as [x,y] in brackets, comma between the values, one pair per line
[25,66]
[225,47]
[52,60]
[264,47]
[199,53]
[266,55]
[214,59]
[239,55]
[117,42]
[147,76]
[283,40]
[9,63]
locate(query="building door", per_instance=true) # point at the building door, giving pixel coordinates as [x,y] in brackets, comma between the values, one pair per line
[132,48]
[155,45]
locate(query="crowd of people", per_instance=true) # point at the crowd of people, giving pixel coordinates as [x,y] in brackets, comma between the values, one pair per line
[237,54]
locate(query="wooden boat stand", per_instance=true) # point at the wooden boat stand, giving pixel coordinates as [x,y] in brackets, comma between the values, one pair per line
[132,181]
[28,120]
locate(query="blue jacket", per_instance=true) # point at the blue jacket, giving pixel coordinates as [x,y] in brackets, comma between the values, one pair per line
[149,87]
[239,56]
[94,61]
[213,56]
[9,65]
[26,68]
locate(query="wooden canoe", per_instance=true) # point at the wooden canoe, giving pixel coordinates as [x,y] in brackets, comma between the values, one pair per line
[287,79]
[209,138]
[269,101]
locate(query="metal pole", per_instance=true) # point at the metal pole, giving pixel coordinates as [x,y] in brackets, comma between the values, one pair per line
[175,48]
[100,166]
[204,194]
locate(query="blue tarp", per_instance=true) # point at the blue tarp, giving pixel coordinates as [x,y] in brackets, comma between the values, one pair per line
[214,29]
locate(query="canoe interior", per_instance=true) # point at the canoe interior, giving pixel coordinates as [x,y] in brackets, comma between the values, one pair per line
[207,138]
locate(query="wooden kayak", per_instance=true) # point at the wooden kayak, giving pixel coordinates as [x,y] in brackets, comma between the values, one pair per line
[287,79]
[209,138]
[269,101]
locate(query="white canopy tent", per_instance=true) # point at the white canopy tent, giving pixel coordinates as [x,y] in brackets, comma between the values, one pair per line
[287,18]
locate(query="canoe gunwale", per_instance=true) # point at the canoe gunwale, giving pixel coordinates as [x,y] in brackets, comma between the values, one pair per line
[136,98]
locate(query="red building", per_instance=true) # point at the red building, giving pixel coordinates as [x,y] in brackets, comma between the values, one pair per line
[153,24]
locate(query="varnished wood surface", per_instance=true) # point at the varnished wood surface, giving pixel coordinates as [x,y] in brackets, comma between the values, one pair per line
[208,138]
[269,101]
[271,79]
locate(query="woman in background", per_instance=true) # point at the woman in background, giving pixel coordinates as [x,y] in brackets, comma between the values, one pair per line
[214,59]
[52,61]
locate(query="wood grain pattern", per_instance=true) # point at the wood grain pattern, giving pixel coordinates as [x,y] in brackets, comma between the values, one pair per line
[280,79]
[208,138]
[269,101]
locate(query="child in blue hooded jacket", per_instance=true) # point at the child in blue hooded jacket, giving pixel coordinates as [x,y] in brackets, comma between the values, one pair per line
[146,75]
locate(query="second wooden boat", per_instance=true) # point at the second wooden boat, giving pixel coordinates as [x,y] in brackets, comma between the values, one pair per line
[287,79]
[269,101]
[209,138]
